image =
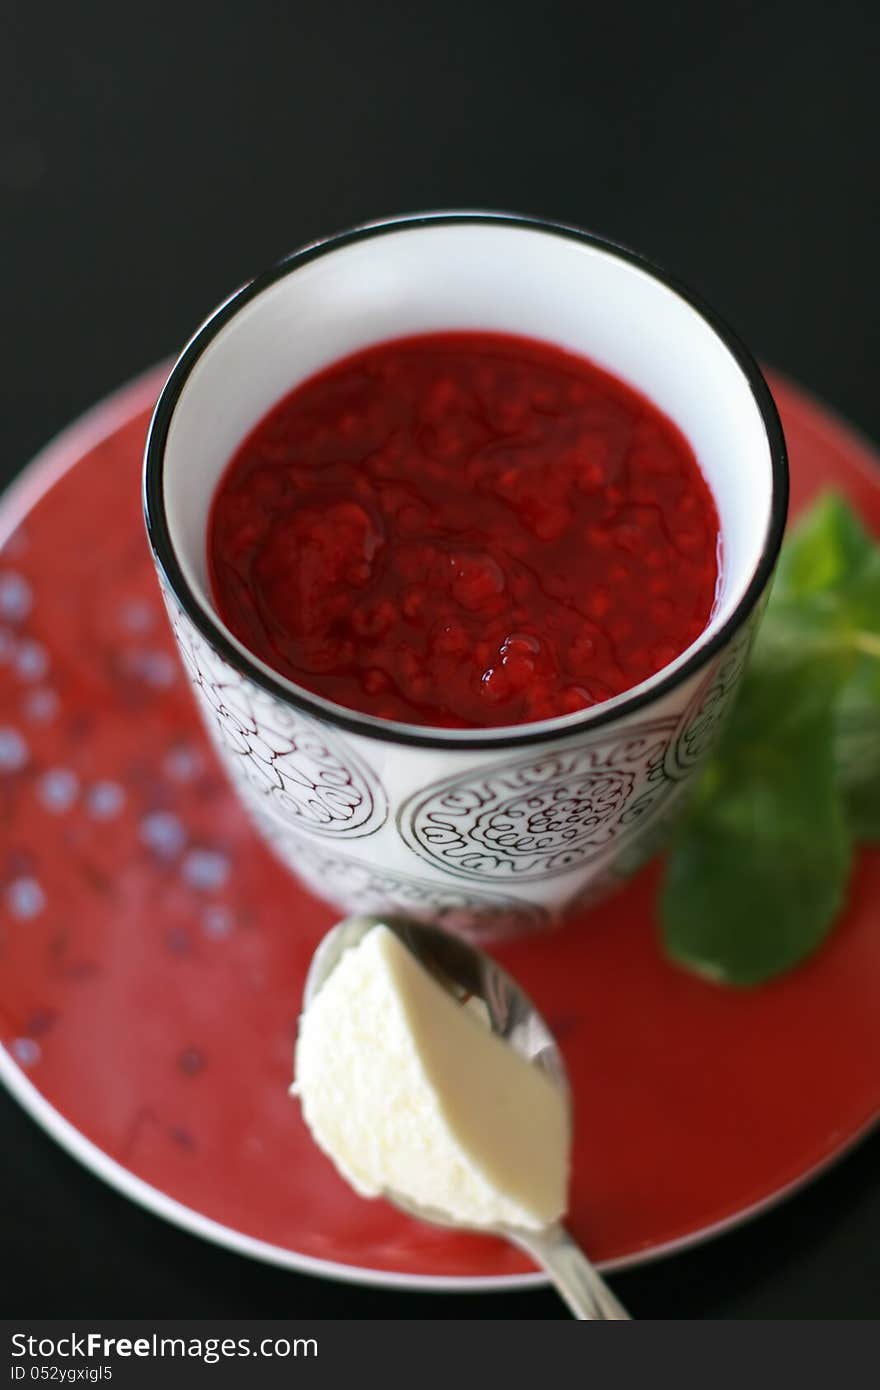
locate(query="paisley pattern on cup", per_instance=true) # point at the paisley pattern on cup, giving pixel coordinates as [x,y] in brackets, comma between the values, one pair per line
[311,779]
[359,886]
[545,814]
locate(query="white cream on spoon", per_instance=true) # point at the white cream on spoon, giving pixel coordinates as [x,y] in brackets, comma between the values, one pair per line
[428,1077]
[409,1093]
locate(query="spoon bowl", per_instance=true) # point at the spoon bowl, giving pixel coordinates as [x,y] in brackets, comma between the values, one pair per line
[478,984]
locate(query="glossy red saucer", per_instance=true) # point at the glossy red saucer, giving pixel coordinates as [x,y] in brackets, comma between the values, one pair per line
[153,953]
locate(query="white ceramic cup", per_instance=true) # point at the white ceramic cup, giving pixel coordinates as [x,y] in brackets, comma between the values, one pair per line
[486,830]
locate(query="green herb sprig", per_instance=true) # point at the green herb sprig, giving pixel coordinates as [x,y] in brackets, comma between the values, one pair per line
[758,871]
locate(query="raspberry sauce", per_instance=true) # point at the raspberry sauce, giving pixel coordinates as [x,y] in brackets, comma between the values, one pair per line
[464,530]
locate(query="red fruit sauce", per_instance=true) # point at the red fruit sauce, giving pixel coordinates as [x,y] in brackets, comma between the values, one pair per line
[464,529]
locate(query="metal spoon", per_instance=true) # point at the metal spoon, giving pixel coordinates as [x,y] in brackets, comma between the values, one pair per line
[474,979]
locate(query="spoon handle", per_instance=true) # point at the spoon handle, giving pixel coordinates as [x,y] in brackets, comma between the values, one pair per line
[581,1286]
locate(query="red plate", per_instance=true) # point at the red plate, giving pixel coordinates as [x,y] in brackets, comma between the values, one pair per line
[153,953]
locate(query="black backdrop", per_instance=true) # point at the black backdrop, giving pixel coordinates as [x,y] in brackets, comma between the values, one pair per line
[152,158]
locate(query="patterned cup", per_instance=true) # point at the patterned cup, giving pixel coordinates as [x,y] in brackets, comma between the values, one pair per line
[490,831]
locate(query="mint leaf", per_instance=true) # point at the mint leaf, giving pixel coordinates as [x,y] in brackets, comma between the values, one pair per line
[760,864]
[825,605]
[759,870]
[824,552]
[857,742]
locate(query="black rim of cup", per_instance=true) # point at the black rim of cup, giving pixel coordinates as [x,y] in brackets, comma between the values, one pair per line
[391,731]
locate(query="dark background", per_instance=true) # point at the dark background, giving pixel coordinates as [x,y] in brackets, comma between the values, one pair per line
[154,157]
